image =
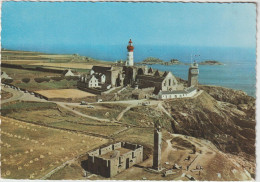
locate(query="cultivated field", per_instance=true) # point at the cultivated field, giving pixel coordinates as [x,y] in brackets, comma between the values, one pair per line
[65,93]
[31,151]
[69,65]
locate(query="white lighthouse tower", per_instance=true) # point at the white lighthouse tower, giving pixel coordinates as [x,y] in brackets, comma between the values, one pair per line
[130,54]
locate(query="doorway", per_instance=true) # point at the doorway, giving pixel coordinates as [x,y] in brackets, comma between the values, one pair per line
[127,163]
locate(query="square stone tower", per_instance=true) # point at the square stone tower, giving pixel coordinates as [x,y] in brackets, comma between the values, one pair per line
[157,153]
[193,75]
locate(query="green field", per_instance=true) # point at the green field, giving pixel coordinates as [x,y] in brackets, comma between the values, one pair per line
[105,111]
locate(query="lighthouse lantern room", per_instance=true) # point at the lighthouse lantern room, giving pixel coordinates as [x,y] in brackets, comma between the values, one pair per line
[130,54]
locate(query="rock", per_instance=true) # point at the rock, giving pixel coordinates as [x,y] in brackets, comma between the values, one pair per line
[176,166]
[215,109]
[168,172]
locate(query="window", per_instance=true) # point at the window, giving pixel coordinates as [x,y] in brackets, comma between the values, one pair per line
[169,82]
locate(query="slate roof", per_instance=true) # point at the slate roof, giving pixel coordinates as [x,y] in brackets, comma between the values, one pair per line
[150,78]
[101,69]
[190,89]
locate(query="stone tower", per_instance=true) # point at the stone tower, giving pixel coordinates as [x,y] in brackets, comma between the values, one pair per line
[157,147]
[130,54]
[193,75]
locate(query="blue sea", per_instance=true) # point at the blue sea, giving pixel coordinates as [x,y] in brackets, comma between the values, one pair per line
[238,71]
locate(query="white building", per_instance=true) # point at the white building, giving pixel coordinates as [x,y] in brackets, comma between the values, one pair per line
[188,92]
[68,73]
[92,82]
[93,79]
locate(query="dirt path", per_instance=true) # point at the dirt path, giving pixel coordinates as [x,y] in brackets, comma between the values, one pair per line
[16,95]
[166,112]
[63,105]
[124,111]
[20,95]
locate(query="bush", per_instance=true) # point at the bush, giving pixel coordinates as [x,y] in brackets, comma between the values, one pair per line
[72,78]
[56,78]
[7,81]
[40,80]
[26,80]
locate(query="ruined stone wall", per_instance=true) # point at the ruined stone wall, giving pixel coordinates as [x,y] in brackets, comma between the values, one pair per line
[99,166]
[111,167]
[114,76]
[105,150]
[142,83]
[117,145]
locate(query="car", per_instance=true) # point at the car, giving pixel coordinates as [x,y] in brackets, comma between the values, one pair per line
[83,103]
[145,103]
[90,106]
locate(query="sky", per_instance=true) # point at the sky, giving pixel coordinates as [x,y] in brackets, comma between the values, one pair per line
[39,25]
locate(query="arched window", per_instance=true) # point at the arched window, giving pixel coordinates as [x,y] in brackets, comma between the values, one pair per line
[169,82]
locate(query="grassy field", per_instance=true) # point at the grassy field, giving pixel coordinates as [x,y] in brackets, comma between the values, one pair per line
[50,114]
[18,74]
[65,65]
[5,95]
[29,151]
[34,86]
[145,116]
[65,93]
[106,111]
[36,58]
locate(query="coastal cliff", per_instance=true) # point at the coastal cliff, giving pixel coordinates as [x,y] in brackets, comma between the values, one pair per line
[224,116]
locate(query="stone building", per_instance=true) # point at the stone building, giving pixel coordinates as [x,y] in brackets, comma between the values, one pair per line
[113,159]
[193,75]
[187,92]
[68,73]
[166,82]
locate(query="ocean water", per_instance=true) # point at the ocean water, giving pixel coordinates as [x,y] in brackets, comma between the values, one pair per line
[238,71]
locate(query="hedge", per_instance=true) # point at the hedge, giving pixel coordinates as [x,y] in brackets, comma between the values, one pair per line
[26,80]
[40,80]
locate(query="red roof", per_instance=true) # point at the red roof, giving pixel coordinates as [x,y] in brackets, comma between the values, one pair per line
[130,48]
[130,41]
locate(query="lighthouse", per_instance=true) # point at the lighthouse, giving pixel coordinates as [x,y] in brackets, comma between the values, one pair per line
[130,54]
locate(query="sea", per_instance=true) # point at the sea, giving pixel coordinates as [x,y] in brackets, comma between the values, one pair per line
[237,72]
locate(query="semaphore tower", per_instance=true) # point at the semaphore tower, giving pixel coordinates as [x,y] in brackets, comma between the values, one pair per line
[193,75]
[130,54]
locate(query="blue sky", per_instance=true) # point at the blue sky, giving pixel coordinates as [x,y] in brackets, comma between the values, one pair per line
[36,25]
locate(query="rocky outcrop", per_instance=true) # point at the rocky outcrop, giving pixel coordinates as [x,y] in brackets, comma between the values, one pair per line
[225,117]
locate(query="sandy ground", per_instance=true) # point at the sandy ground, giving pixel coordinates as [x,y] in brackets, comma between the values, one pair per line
[64,93]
